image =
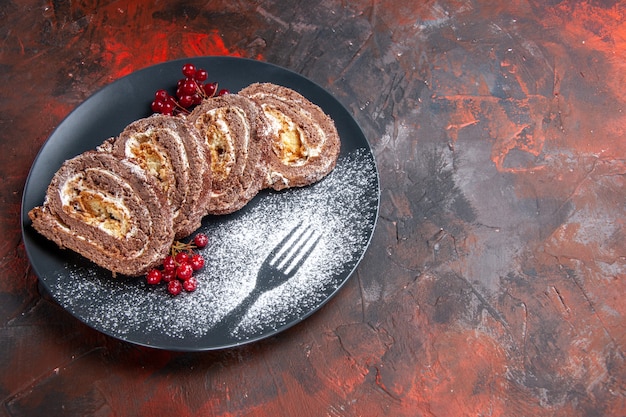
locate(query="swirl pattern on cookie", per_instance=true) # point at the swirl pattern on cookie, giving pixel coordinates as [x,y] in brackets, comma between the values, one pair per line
[304,142]
[167,149]
[109,211]
[230,129]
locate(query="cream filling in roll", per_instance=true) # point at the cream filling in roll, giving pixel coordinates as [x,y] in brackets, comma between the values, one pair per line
[97,208]
[219,137]
[144,148]
[293,147]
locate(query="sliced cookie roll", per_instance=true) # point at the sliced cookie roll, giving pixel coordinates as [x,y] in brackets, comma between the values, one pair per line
[169,150]
[109,211]
[231,131]
[304,141]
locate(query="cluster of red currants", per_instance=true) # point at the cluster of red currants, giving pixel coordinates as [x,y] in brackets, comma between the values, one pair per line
[190,91]
[178,267]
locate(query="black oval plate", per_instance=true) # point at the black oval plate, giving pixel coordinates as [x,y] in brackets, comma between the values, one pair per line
[342,209]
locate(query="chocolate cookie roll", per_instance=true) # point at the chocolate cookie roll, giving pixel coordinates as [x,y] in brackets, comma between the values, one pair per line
[232,133]
[169,150]
[109,211]
[304,143]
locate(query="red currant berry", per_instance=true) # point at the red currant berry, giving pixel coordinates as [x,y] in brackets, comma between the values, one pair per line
[184,271]
[209,89]
[188,87]
[174,287]
[186,101]
[197,98]
[191,284]
[201,75]
[168,108]
[169,264]
[167,276]
[189,70]
[201,240]
[181,258]
[161,95]
[196,262]
[223,91]
[157,106]
[153,277]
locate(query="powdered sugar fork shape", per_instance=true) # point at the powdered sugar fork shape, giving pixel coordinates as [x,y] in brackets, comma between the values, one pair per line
[279,266]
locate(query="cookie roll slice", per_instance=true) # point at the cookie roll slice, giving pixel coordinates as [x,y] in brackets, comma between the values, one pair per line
[231,131]
[109,211]
[304,142]
[169,150]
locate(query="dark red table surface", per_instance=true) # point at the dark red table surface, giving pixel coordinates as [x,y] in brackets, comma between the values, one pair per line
[495,280]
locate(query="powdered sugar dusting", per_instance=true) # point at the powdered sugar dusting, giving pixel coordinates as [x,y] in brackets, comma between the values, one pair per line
[341,209]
